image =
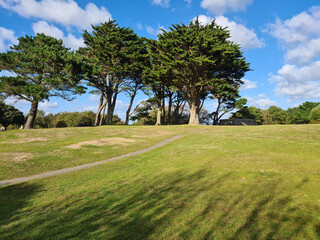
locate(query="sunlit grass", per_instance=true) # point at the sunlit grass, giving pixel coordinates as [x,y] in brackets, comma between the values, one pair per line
[24,153]
[259,182]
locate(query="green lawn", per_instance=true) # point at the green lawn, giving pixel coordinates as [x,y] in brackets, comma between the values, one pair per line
[25,153]
[259,182]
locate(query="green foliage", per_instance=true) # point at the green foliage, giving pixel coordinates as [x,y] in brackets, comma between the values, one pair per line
[300,114]
[249,113]
[196,57]
[116,57]
[314,115]
[43,68]
[278,115]
[266,117]
[43,120]
[144,114]
[74,119]
[113,52]
[10,115]
[227,96]
[116,120]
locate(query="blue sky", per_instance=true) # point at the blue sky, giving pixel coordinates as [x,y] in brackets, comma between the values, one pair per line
[281,40]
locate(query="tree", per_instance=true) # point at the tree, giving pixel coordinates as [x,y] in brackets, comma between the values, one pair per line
[144,113]
[227,96]
[314,115]
[266,117]
[10,115]
[278,115]
[159,82]
[43,121]
[300,114]
[198,56]
[131,89]
[116,55]
[43,68]
[249,113]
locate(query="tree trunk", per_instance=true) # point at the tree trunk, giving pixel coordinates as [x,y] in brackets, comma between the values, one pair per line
[181,113]
[216,113]
[32,115]
[169,109]
[99,110]
[163,116]
[111,106]
[109,111]
[102,116]
[159,113]
[130,106]
[194,105]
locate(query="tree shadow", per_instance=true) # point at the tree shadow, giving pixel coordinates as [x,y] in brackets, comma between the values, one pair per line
[13,199]
[174,205]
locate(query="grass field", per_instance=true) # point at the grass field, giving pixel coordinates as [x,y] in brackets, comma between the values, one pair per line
[259,182]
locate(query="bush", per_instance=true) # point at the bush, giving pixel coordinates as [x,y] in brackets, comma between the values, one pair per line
[314,115]
[9,115]
[61,124]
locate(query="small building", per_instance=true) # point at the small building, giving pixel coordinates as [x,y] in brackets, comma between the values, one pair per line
[237,121]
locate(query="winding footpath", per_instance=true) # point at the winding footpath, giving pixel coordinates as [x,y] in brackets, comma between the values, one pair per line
[72,169]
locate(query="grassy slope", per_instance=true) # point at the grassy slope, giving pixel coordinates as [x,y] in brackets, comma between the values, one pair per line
[215,183]
[46,149]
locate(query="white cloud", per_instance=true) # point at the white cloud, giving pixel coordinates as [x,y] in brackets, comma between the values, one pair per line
[154,31]
[121,109]
[48,106]
[248,84]
[22,105]
[299,77]
[94,98]
[7,38]
[264,103]
[304,53]
[139,26]
[162,3]
[65,12]
[240,34]
[292,73]
[220,7]
[298,29]
[298,82]
[90,108]
[261,101]
[51,30]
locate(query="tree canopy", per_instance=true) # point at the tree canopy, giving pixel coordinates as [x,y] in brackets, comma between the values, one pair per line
[198,56]
[42,67]
[115,54]
[10,115]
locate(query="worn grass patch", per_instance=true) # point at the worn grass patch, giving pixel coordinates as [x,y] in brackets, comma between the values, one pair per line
[52,149]
[260,182]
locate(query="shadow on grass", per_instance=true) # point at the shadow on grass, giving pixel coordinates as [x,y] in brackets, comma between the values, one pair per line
[170,206]
[12,200]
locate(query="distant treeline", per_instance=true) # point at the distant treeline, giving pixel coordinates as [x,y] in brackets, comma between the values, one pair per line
[12,118]
[146,114]
[308,112]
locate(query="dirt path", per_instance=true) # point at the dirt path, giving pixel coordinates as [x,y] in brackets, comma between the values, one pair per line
[72,169]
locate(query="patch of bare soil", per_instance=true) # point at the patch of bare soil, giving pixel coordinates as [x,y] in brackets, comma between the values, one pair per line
[16,157]
[104,142]
[31,139]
